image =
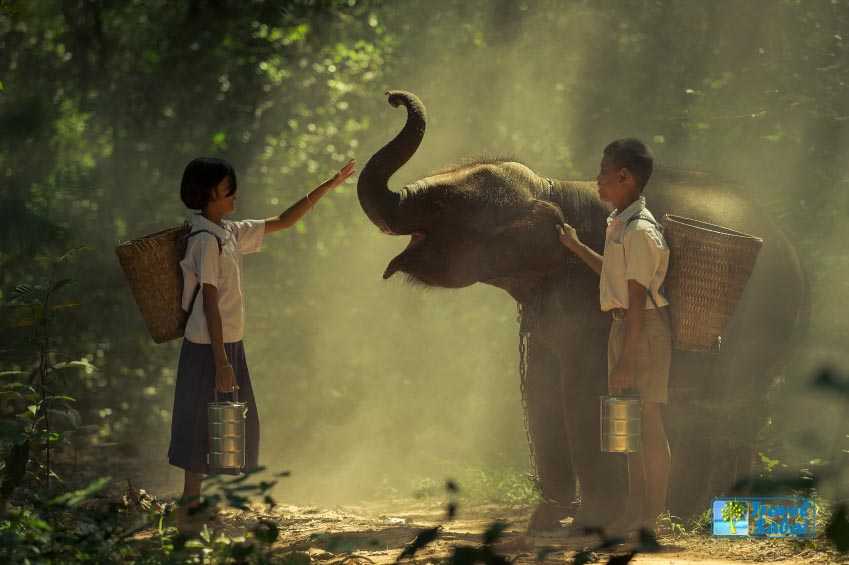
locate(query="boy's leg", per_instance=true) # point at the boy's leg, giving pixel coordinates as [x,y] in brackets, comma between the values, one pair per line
[634,505]
[657,459]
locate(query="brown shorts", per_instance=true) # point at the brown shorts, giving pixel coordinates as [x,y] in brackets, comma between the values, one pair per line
[654,354]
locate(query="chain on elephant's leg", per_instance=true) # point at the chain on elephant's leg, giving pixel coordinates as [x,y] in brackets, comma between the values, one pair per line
[548,443]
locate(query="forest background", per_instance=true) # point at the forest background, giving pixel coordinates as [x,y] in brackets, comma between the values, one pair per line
[366,387]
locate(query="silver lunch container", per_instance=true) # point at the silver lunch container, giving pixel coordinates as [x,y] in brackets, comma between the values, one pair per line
[621,424]
[226,425]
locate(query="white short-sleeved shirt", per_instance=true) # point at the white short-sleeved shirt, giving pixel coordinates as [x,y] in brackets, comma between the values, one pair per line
[202,264]
[635,251]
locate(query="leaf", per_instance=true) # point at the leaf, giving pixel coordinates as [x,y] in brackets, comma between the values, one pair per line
[266,531]
[584,557]
[64,306]
[494,532]
[237,501]
[424,538]
[828,381]
[70,253]
[79,365]
[60,397]
[24,290]
[59,284]
[74,498]
[4,374]
[464,555]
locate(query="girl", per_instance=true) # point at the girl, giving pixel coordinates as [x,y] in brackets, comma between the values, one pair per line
[212,354]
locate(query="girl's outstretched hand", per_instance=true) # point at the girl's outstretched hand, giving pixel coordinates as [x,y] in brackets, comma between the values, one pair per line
[343,173]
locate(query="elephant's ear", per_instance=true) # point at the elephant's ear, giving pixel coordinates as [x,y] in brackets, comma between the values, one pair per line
[530,243]
[545,209]
[538,214]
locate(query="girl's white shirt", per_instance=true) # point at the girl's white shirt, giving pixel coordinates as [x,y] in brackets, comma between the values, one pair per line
[202,264]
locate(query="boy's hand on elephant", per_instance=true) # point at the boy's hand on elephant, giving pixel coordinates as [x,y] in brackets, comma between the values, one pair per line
[568,235]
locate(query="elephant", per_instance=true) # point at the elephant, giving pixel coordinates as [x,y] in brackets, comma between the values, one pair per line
[494,222]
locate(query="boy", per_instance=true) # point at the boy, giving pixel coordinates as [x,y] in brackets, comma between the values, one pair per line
[631,272]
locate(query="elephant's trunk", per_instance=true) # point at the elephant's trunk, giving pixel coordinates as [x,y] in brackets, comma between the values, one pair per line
[379,203]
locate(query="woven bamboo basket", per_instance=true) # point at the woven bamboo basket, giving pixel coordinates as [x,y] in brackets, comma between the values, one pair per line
[152,266]
[709,266]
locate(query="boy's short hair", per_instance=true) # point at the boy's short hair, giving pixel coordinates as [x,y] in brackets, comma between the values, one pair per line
[200,178]
[633,155]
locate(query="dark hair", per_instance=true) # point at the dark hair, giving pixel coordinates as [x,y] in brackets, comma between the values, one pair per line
[633,155]
[200,178]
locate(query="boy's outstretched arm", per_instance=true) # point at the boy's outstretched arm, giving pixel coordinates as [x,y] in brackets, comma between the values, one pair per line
[569,238]
[297,210]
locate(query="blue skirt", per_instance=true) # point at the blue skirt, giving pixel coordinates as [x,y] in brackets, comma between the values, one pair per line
[195,389]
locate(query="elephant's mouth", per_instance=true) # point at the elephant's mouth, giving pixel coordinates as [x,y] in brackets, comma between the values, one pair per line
[400,261]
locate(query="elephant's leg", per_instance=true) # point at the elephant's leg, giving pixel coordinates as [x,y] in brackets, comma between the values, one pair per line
[549,443]
[601,476]
[691,430]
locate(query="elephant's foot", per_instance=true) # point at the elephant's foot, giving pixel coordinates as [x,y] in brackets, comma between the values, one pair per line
[547,516]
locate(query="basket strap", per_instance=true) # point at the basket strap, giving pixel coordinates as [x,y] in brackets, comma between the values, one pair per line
[217,239]
[640,216]
[197,288]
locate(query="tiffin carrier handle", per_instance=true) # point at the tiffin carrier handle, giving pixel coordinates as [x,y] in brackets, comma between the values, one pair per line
[235,393]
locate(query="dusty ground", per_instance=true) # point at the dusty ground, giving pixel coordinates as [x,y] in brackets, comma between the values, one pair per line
[377,534]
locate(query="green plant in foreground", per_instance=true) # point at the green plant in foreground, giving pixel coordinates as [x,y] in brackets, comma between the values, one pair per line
[30,404]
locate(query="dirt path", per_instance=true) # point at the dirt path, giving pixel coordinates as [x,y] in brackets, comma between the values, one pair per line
[377,534]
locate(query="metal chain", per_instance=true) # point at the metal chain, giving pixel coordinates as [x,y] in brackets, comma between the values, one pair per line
[524,334]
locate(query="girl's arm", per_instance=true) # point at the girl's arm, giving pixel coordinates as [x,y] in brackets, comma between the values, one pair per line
[295,212]
[225,378]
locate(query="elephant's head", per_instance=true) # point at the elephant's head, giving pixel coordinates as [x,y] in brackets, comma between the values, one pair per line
[479,222]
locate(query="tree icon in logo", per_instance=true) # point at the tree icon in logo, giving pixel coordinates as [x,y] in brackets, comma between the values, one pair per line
[732,512]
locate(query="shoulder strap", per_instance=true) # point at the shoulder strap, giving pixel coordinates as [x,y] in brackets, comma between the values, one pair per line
[217,239]
[658,225]
[641,216]
[197,288]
